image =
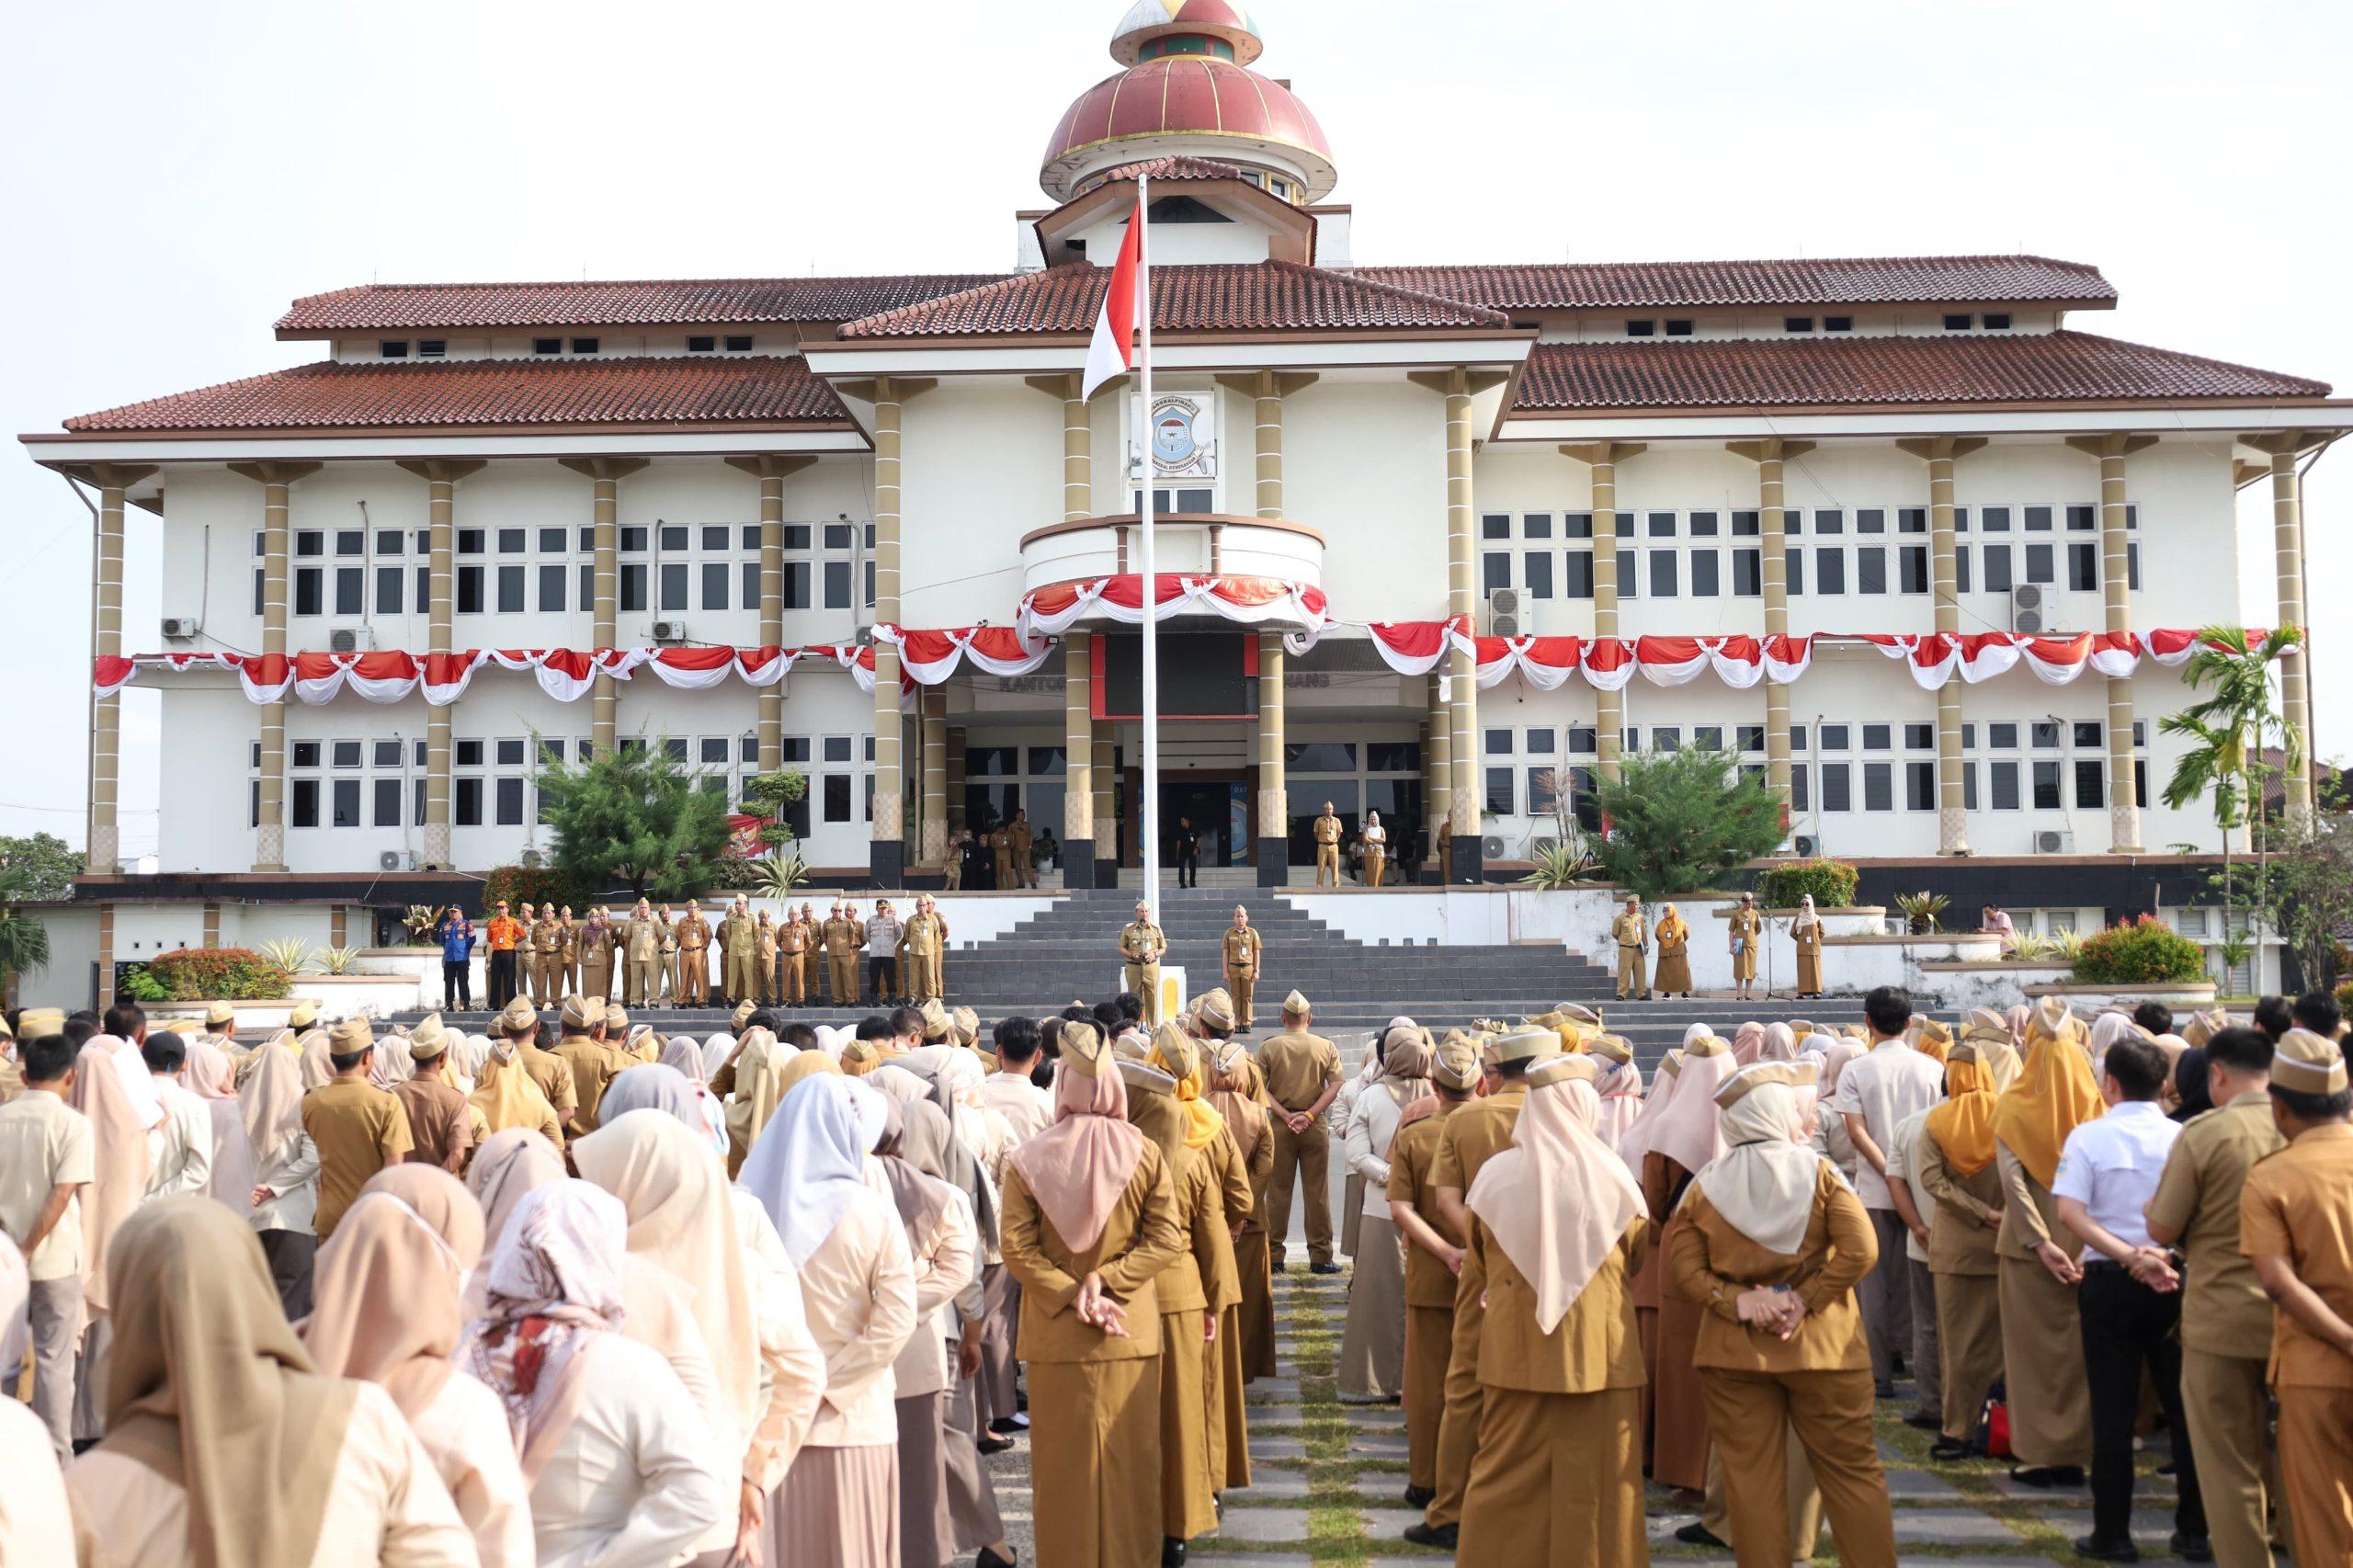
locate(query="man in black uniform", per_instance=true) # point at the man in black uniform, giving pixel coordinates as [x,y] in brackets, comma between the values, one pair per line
[1188,854]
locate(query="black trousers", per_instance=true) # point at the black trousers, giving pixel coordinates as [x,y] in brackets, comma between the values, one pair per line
[502,978]
[1188,870]
[882,978]
[2128,1326]
[458,986]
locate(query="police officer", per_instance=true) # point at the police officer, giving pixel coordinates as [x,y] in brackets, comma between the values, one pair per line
[1141,945]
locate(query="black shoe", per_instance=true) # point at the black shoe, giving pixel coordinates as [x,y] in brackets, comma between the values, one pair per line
[2045,1476]
[1428,1534]
[1006,1427]
[2091,1546]
[1924,1421]
[1420,1497]
[1883,1390]
[1895,1366]
[989,1559]
[2192,1547]
[1946,1449]
[1323,1269]
[1697,1534]
[1171,1553]
[993,1445]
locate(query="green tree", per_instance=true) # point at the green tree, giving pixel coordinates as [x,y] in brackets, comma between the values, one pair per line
[1680,821]
[2305,887]
[633,815]
[766,795]
[46,864]
[2227,731]
[24,940]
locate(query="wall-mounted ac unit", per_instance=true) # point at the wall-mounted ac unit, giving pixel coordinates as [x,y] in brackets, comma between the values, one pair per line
[1806,844]
[1542,846]
[2053,841]
[2030,608]
[350,640]
[1491,847]
[396,861]
[1508,613]
[669,631]
[181,627]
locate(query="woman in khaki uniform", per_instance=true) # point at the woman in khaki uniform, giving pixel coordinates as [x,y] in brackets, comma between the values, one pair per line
[1746,930]
[1221,1378]
[1805,930]
[1771,1241]
[1090,1221]
[1957,1169]
[1240,1096]
[595,945]
[1557,1229]
[1674,976]
[2042,1355]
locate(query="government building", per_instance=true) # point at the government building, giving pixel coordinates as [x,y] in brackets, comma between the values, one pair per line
[1445,542]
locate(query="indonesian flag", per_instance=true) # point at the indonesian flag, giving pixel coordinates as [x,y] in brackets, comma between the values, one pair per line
[1112,352]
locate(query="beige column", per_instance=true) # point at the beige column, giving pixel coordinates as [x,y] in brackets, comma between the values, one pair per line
[771,472]
[1939,452]
[1106,796]
[440,478]
[605,475]
[1078,443]
[2116,586]
[890,396]
[1078,760]
[934,775]
[1769,456]
[955,779]
[2287,569]
[1267,390]
[105,953]
[276,481]
[1609,707]
[103,829]
[1274,792]
[1438,762]
[212,924]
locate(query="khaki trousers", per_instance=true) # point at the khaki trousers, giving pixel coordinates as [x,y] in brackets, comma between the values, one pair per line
[1327,859]
[1309,1155]
[1143,979]
[843,973]
[644,982]
[796,977]
[2226,1403]
[1969,1322]
[1458,1432]
[694,977]
[1751,1416]
[1634,976]
[551,983]
[741,985]
[1558,1480]
[923,975]
[1805,1503]
[1239,986]
[54,1308]
[2316,1434]
[1429,1340]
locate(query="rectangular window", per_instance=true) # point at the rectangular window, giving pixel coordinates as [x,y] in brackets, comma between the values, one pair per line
[837,797]
[310,591]
[1879,738]
[1996,321]
[1536,525]
[2083,519]
[632,595]
[585,346]
[1679,326]
[1837,324]
[2083,568]
[1630,573]
[1969,786]
[1747,574]
[1829,522]
[2040,565]
[1633,329]
[1998,569]
[1879,786]
[1495,573]
[1746,524]
[510,590]
[1829,570]
[584,588]
[551,586]
[510,803]
[1536,567]
[1576,525]
[2039,520]
[1540,798]
[1995,519]
[1961,569]
[1800,795]
[796,585]
[509,752]
[748,585]
[347,754]
[1492,742]
[1708,737]
[1912,561]
[1583,740]
[350,590]
[1703,525]
[1749,737]
[837,592]
[1499,790]
[1870,521]
[1705,565]
[1912,519]
[1836,793]
[1836,737]
[346,803]
[1793,569]
[1667,737]
[673,579]
[2045,734]
[1663,573]
[2132,565]
[388,803]
[1622,524]
[1577,580]
[392,585]
[739,344]
[714,585]
[1662,525]
[1495,525]
[1870,569]
[1797,323]
[2087,735]
[305,804]
[2091,787]
[1919,786]
[2046,787]
[2004,777]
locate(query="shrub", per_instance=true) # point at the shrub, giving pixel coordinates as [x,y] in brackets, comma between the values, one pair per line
[2344,998]
[218,975]
[2145,952]
[138,985]
[534,885]
[1832,883]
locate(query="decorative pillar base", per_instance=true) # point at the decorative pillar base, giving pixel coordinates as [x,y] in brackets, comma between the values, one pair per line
[270,847]
[1078,870]
[105,847]
[886,862]
[1469,860]
[1274,862]
[2124,823]
[1952,831]
[435,857]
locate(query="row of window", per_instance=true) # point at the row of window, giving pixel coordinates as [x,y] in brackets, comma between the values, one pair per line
[438,347]
[1954,320]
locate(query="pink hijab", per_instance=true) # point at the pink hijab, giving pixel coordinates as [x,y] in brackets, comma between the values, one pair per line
[1836,1050]
[1078,1167]
[211,1077]
[1558,1201]
[1780,1044]
[1746,1041]
[1685,1129]
[1621,1099]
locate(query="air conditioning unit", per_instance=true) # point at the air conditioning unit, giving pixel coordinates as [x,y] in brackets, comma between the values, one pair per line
[1542,846]
[350,640]
[2053,841]
[2030,608]
[181,627]
[1491,847]
[1508,613]
[1806,846]
[669,631]
[396,861]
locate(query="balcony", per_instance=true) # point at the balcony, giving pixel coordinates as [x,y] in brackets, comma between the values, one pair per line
[1185,544]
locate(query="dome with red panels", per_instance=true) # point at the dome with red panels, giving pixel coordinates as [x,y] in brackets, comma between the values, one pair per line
[1145,30]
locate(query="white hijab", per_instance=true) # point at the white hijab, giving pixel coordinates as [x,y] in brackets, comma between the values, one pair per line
[809,1165]
[1805,915]
[1557,1200]
[1763,1183]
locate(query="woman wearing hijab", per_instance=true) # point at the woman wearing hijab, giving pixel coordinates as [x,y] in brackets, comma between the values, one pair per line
[212,1079]
[656,1085]
[2050,1402]
[762,1074]
[1221,1368]
[1630,1148]
[1805,930]
[1373,1345]
[1557,1229]
[284,1197]
[683,1054]
[390,1312]
[1674,973]
[1238,1092]
[617,1458]
[1831,1139]
[508,1096]
[839,1505]
[121,1104]
[1674,1144]
[1956,1156]
[2192,1093]
[1619,1086]
[1772,1241]
[224,1445]
[1090,1223]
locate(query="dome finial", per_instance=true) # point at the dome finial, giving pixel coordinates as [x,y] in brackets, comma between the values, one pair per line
[1217,29]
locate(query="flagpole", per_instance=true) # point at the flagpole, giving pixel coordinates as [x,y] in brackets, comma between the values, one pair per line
[1151,571]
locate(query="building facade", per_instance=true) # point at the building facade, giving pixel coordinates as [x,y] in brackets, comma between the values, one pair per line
[1443,542]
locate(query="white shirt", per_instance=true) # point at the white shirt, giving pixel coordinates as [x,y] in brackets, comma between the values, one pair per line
[1884,1085]
[179,1147]
[1372,1123]
[45,1143]
[1903,1165]
[1027,1108]
[465,1434]
[2111,1167]
[859,1288]
[290,1171]
[632,1479]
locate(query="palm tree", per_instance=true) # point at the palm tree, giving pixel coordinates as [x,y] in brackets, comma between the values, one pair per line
[2228,732]
[24,941]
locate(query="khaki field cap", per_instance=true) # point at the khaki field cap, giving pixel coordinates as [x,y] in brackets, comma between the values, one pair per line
[581,1013]
[1143,1077]
[428,1039]
[1790,1074]
[1217,1009]
[967,1024]
[2308,1064]
[1083,1050]
[935,1019]
[220,1015]
[39,1023]
[1458,1065]
[615,1017]
[1564,1069]
[1527,1044]
[350,1036]
[304,1015]
[743,1011]
[1295,1006]
[518,1016]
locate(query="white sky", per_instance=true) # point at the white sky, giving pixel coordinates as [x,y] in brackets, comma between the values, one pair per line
[180,172]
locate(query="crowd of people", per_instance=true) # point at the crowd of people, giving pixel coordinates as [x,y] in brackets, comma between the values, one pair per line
[571,1293]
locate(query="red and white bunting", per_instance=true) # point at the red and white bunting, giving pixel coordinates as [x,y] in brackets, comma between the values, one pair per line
[1418,647]
[1248,601]
[931,657]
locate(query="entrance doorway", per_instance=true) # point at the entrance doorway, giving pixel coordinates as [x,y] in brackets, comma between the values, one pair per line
[1217,804]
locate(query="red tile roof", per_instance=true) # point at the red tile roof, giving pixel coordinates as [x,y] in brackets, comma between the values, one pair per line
[398,307]
[736,389]
[1273,296]
[1864,280]
[2063,367]
[1176,166]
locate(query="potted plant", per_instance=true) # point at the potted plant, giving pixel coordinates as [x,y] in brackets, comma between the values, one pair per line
[1923,911]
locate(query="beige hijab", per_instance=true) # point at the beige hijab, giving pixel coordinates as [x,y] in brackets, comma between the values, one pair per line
[1233,1090]
[1763,1183]
[318,1072]
[390,1278]
[680,1219]
[210,1389]
[1558,1201]
[506,1095]
[764,1074]
[1078,1167]
[1684,1126]
[271,1096]
[508,1164]
[119,1169]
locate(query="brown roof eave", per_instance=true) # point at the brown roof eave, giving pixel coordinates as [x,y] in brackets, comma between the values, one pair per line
[1080,339]
[343,432]
[1773,409]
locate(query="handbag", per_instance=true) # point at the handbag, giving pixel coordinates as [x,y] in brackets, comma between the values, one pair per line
[1996,1425]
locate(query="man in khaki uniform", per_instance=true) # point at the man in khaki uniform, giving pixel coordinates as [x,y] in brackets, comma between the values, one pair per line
[1328,845]
[356,1128]
[1141,945]
[921,943]
[763,950]
[2225,1317]
[1302,1072]
[954,870]
[1445,850]
[1628,933]
[1000,844]
[793,960]
[693,986]
[1022,837]
[1246,953]
[594,1063]
[1432,1251]
[547,956]
[641,944]
[1746,930]
[845,935]
[737,949]
[521,1024]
